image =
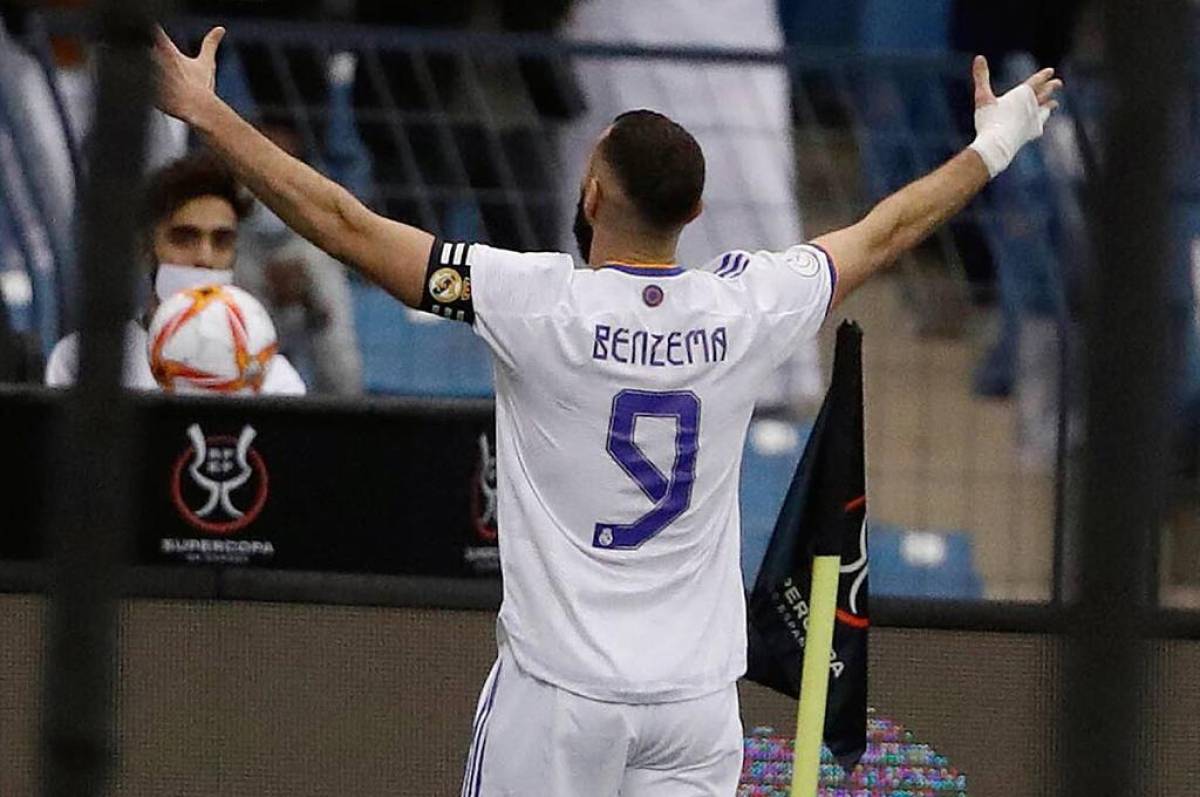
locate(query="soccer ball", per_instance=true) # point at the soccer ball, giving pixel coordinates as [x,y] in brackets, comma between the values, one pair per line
[211,339]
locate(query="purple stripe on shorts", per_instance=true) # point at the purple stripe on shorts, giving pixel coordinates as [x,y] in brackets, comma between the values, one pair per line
[487,713]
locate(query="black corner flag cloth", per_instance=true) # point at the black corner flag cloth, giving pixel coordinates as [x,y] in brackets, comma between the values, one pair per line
[824,514]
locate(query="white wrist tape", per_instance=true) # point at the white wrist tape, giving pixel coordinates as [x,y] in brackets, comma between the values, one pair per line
[1006,125]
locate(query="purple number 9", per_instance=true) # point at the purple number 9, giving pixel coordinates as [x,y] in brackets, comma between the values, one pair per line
[672,493]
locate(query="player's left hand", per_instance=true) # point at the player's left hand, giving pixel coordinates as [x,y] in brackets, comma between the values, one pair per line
[1005,124]
[185,84]
[1042,83]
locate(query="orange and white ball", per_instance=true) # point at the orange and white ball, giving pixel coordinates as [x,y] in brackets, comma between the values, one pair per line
[211,339]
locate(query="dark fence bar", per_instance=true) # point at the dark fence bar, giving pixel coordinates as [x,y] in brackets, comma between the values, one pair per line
[93,440]
[1129,378]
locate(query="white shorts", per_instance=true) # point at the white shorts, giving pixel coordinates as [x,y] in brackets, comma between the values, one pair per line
[532,739]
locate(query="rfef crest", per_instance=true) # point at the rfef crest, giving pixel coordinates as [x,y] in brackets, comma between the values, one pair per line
[219,484]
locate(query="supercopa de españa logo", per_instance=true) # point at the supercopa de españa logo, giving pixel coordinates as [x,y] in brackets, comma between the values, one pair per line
[219,486]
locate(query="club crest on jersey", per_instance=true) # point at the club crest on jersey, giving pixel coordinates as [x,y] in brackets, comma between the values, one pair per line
[652,295]
[219,482]
[447,285]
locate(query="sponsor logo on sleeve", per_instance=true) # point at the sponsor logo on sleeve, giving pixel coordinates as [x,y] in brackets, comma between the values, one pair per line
[804,261]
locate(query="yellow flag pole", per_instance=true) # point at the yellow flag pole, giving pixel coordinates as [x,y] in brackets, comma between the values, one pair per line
[814,678]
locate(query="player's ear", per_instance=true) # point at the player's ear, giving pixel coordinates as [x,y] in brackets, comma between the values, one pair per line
[696,211]
[591,199]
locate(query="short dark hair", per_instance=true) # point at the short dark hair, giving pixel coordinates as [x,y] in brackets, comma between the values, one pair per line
[659,165]
[193,176]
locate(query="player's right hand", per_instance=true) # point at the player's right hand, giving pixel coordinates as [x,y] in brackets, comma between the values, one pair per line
[185,84]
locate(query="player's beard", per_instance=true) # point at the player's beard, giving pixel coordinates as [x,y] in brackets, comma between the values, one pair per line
[583,231]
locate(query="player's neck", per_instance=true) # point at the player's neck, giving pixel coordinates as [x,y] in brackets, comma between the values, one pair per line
[632,251]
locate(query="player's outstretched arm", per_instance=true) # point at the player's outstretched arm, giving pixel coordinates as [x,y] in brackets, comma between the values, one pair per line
[900,222]
[392,254]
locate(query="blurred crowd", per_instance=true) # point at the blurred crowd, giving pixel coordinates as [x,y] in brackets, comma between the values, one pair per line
[491,148]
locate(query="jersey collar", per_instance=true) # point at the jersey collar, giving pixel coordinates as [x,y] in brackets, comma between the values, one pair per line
[646,269]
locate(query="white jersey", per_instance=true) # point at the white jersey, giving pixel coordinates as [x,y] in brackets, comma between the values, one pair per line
[623,396]
[62,367]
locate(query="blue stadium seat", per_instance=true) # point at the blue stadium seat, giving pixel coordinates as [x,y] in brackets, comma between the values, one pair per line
[922,564]
[905,25]
[772,450]
[821,23]
[907,127]
[406,354]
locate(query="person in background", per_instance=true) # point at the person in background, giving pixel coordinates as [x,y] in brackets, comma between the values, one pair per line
[37,203]
[741,116]
[47,98]
[1022,32]
[191,214]
[306,292]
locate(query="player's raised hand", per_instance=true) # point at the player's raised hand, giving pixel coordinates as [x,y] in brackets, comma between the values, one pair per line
[982,77]
[184,83]
[1044,84]
[1004,124]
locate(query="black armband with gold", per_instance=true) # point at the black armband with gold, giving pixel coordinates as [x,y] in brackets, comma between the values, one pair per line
[447,290]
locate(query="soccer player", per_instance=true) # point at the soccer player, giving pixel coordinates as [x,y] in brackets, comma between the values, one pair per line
[623,395]
[191,213]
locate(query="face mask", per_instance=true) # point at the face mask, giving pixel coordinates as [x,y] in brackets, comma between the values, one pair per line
[583,231]
[172,279]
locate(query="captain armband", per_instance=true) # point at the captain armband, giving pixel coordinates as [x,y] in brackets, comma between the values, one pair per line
[447,289]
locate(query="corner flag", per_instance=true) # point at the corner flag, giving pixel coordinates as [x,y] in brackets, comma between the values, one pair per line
[823,520]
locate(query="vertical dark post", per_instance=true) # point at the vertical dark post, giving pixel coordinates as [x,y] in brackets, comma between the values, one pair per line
[1129,379]
[89,489]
